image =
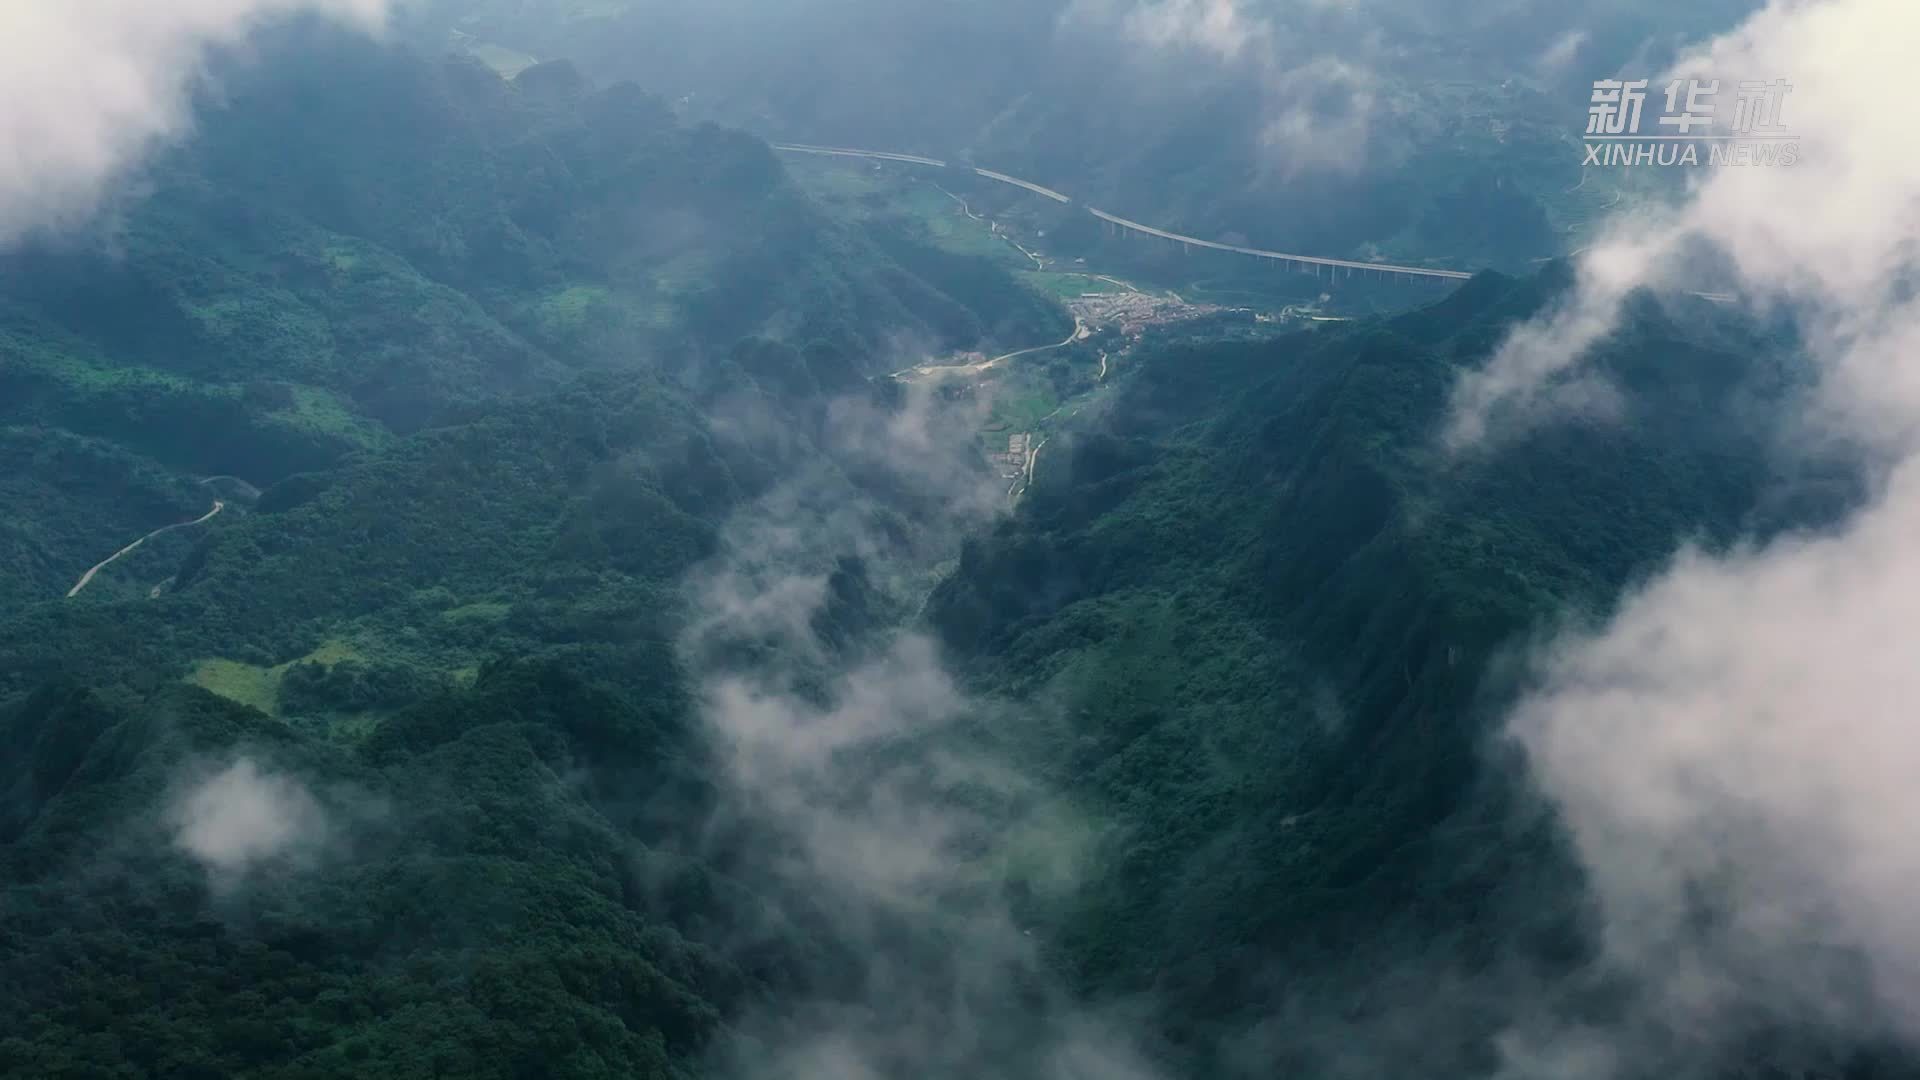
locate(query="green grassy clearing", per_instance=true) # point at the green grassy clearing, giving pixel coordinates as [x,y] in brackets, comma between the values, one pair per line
[259,687]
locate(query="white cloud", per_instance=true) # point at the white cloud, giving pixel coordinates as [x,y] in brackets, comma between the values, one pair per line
[87,87]
[1218,26]
[1734,752]
[1318,106]
[1741,740]
[243,817]
[1561,52]
[1830,235]
[1320,115]
[1534,375]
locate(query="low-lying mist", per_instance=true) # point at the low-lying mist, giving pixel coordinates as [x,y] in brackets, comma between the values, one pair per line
[844,734]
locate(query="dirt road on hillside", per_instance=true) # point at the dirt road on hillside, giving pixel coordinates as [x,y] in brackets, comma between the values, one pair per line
[87,578]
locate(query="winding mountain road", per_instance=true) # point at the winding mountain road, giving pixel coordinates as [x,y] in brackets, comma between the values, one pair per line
[1081,331]
[87,578]
[993,225]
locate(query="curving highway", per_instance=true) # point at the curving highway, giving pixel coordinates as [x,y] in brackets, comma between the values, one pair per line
[1118,222]
[1308,260]
[1043,192]
[833,151]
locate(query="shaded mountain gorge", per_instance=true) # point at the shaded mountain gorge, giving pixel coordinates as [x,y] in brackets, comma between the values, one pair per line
[485,347]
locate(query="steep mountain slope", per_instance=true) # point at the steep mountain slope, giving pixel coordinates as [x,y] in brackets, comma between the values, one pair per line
[390,769]
[360,242]
[477,928]
[1273,617]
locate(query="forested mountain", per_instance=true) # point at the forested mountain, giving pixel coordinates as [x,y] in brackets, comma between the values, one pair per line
[615,653]
[1257,605]
[361,243]
[1280,625]
[390,768]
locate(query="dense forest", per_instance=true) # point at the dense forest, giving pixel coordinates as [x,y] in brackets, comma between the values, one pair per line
[362,244]
[480,370]
[1279,626]
[600,668]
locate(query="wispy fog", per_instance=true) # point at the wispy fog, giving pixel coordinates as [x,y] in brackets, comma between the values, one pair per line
[243,817]
[858,749]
